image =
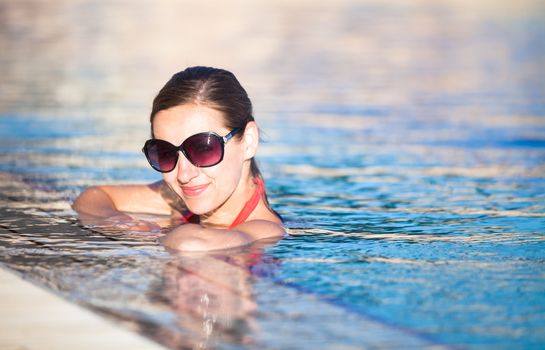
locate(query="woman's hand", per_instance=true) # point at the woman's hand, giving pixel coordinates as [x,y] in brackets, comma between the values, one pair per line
[127,223]
[122,222]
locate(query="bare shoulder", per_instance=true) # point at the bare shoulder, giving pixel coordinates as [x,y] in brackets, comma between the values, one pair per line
[259,229]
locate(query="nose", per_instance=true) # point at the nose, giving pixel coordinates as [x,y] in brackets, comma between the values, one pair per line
[186,170]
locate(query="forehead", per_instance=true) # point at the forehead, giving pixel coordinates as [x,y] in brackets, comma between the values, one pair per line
[178,123]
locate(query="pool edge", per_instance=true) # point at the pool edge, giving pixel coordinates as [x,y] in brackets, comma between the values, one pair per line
[55,323]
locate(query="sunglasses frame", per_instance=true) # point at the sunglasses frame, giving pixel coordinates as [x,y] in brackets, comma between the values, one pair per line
[223,141]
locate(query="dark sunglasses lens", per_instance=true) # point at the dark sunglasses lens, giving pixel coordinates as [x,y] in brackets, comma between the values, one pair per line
[204,149]
[161,155]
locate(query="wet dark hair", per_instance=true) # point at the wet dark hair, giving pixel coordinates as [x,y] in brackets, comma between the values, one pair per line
[213,87]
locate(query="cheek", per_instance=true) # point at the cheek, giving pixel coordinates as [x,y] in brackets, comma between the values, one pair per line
[170,178]
[226,177]
[227,174]
[232,163]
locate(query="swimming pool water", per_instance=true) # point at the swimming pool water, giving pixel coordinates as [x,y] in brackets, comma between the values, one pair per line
[404,145]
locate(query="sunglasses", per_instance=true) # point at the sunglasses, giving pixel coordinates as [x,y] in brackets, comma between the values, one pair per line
[203,150]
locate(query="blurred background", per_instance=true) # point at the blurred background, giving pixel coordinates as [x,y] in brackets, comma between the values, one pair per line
[450,63]
[422,74]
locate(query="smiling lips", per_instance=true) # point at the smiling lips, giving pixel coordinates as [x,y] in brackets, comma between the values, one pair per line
[193,191]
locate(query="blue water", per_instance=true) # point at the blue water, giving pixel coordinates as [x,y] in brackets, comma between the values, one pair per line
[404,145]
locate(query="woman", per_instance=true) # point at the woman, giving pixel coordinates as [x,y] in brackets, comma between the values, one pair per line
[204,139]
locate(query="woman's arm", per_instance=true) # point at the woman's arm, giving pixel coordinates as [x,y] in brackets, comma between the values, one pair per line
[104,201]
[192,238]
[111,205]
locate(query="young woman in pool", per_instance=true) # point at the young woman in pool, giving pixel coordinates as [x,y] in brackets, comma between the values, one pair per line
[204,139]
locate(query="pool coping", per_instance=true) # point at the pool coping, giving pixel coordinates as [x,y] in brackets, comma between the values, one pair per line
[55,323]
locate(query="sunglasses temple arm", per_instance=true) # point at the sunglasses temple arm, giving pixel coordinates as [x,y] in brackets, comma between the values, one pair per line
[230,135]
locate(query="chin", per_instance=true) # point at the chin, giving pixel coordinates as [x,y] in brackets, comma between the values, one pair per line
[198,207]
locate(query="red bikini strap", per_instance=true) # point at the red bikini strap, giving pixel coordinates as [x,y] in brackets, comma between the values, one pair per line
[186,217]
[251,204]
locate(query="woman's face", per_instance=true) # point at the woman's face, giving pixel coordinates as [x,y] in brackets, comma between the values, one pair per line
[202,189]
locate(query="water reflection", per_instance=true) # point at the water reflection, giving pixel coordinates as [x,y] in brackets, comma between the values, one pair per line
[212,297]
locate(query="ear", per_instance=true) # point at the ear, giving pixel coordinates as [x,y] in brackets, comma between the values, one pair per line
[250,140]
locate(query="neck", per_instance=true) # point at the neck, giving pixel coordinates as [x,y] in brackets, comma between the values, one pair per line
[228,211]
